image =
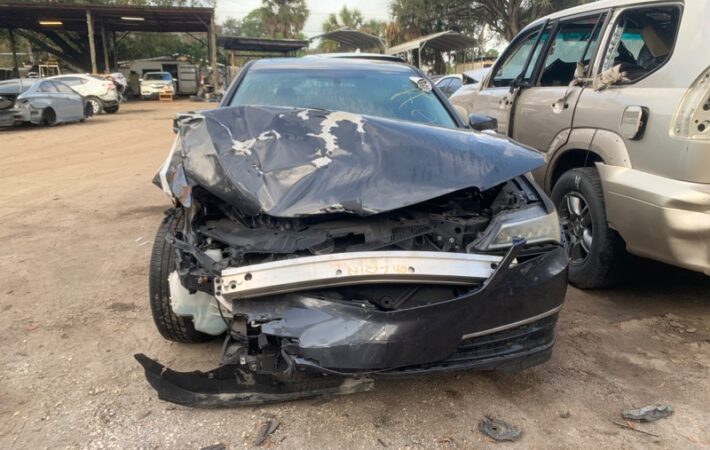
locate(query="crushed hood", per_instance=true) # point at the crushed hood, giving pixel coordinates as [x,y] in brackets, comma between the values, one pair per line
[288,162]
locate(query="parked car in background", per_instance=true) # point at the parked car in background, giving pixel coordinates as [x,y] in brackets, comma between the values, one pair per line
[100,93]
[153,83]
[448,84]
[617,94]
[466,82]
[337,217]
[471,81]
[45,102]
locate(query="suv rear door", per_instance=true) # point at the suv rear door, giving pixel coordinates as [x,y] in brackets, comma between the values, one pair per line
[545,106]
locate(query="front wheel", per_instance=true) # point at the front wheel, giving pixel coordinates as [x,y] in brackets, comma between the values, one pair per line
[595,251]
[49,117]
[162,263]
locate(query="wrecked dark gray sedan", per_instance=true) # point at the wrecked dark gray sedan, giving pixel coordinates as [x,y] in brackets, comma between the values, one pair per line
[335,221]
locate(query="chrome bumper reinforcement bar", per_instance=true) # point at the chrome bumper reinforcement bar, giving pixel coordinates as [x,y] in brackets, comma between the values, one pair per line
[342,269]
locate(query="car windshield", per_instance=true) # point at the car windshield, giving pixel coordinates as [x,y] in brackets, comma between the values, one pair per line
[157,76]
[387,94]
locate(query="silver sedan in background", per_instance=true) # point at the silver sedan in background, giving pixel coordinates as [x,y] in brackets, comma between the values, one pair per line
[41,102]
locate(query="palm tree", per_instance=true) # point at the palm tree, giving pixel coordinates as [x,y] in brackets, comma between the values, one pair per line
[283,18]
[352,19]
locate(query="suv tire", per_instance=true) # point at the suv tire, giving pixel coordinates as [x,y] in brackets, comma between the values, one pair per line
[596,251]
[162,263]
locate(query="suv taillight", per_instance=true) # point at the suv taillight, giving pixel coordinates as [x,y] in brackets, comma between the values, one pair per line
[692,120]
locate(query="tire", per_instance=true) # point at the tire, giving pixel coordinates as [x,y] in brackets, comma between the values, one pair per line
[596,251]
[97,106]
[162,263]
[88,110]
[111,109]
[49,117]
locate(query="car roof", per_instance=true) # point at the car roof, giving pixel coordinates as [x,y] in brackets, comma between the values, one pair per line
[331,64]
[589,7]
[353,55]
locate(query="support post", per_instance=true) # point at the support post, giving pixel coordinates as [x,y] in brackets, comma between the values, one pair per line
[15,64]
[107,68]
[92,46]
[213,53]
[115,50]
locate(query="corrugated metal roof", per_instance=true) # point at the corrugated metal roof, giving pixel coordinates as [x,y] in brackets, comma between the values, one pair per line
[260,45]
[443,41]
[352,38]
[72,17]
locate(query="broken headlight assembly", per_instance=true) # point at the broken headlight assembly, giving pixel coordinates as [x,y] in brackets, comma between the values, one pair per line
[533,223]
[22,104]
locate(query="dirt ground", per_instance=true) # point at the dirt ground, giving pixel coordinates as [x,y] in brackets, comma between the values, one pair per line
[78,213]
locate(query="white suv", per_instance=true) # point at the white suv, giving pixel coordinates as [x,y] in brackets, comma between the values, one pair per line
[617,95]
[100,94]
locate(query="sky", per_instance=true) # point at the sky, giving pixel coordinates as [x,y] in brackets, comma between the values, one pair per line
[320,9]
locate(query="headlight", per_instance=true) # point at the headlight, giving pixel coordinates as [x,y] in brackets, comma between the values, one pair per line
[22,104]
[532,223]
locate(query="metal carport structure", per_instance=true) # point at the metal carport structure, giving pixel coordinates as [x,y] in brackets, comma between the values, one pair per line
[83,18]
[353,39]
[444,41]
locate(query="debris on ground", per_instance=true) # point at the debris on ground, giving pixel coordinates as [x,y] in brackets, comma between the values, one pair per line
[267,427]
[499,430]
[565,414]
[218,446]
[629,427]
[648,413]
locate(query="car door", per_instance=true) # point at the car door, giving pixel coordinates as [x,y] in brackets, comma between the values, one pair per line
[71,101]
[546,107]
[512,71]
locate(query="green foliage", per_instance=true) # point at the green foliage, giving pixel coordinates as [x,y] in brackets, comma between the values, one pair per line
[283,18]
[348,18]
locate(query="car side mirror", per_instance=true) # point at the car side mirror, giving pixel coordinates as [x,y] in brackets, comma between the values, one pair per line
[479,122]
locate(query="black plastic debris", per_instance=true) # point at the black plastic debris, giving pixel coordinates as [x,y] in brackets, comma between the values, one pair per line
[649,413]
[231,385]
[499,430]
[219,446]
[265,430]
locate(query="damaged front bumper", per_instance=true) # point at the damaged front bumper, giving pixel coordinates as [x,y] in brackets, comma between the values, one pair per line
[505,322]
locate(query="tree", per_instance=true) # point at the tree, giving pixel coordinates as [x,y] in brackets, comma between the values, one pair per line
[348,18]
[508,17]
[283,18]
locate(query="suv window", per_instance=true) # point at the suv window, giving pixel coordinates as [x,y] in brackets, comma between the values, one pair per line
[642,40]
[514,63]
[574,42]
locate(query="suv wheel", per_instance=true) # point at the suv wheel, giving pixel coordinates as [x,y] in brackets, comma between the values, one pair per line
[595,250]
[162,263]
